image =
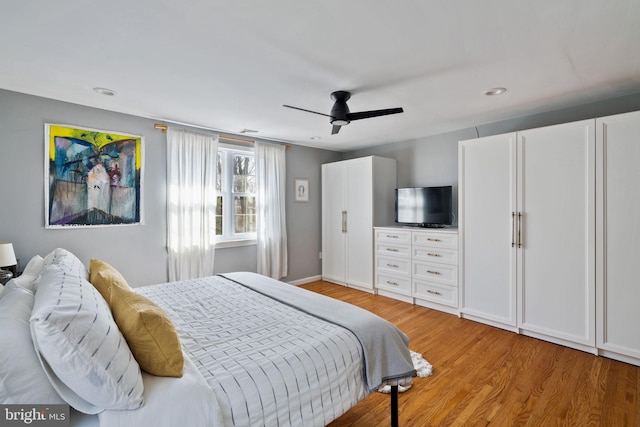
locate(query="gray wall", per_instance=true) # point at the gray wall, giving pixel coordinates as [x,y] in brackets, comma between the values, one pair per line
[139,252]
[304,220]
[433,161]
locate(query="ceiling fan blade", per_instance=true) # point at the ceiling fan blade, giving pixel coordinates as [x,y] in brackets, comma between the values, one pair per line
[308,111]
[373,113]
[335,129]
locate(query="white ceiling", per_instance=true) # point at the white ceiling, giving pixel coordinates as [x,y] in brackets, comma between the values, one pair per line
[231,65]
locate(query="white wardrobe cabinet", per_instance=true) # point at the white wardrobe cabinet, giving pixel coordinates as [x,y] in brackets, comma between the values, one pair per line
[357,195]
[618,234]
[556,262]
[487,207]
[527,221]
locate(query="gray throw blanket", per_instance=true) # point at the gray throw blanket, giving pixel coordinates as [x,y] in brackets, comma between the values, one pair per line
[386,348]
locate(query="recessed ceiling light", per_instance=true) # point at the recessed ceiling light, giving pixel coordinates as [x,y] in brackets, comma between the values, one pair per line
[495,91]
[315,138]
[104,91]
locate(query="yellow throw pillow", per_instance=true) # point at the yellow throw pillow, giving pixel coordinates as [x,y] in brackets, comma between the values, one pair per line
[149,332]
[104,287]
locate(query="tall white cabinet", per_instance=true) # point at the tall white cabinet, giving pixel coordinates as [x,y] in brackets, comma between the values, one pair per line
[556,241]
[527,221]
[357,195]
[618,234]
[487,209]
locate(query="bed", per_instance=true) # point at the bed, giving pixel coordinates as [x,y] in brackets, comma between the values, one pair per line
[250,350]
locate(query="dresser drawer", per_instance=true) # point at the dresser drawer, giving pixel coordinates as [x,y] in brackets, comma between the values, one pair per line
[384,248]
[441,273]
[393,265]
[439,255]
[393,236]
[435,292]
[435,239]
[394,283]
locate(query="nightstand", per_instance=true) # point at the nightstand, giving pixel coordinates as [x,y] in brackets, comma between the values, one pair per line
[5,276]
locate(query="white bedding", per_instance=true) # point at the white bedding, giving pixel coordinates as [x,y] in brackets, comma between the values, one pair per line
[187,401]
[249,361]
[170,402]
[313,371]
[256,351]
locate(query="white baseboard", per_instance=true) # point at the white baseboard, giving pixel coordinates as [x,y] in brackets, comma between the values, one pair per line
[305,280]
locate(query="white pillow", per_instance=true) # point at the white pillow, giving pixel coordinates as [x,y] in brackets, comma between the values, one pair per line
[22,379]
[81,348]
[30,273]
[66,261]
[34,266]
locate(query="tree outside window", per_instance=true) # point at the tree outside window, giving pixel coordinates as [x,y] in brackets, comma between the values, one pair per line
[236,186]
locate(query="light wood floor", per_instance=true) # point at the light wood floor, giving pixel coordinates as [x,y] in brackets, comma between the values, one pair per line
[486,376]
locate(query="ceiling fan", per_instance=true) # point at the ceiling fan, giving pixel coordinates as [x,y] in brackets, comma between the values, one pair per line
[340,114]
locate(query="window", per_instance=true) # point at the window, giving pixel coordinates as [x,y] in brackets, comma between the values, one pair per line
[236,187]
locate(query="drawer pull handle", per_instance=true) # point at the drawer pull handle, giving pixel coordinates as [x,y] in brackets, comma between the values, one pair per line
[393,265]
[431,239]
[392,236]
[433,272]
[433,292]
[392,250]
[392,283]
[432,254]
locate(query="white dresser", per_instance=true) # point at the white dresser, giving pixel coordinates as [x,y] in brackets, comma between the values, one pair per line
[418,266]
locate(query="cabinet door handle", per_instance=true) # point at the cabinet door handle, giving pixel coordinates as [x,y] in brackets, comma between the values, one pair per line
[344,221]
[519,229]
[392,283]
[433,272]
[431,239]
[432,254]
[513,229]
[392,250]
[393,265]
[433,292]
[392,236]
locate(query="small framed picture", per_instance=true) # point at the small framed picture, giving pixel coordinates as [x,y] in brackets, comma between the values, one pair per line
[301,190]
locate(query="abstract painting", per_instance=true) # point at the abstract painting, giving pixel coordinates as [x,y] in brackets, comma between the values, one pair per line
[93,178]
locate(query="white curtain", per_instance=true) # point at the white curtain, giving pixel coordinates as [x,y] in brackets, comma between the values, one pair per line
[191,203]
[270,203]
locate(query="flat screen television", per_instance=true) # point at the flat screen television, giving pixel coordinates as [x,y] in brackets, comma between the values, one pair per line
[424,206]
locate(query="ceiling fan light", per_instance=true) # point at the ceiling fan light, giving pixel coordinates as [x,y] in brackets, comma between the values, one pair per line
[338,122]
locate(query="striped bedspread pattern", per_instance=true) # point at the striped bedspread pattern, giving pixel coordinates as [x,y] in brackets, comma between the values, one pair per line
[268,364]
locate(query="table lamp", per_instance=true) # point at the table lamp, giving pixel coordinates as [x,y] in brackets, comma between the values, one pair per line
[7,259]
